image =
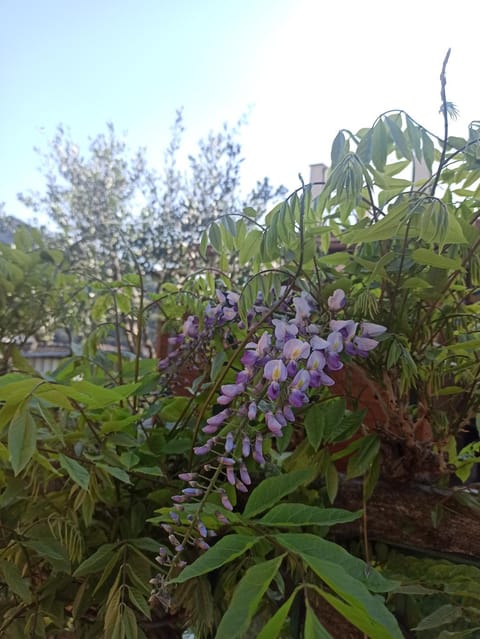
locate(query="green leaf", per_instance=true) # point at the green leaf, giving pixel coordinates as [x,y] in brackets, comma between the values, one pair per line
[371,478]
[304,515]
[315,426]
[145,543]
[96,562]
[203,245]
[20,390]
[415,283]
[124,302]
[364,456]
[176,446]
[112,563]
[225,550]
[366,611]
[54,395]
[357,617]
[414,135]
[215,237]
[22,439]
[364,149]
[322,419]
[130,626]
[273,489]
[173,408]
[217,363]
[308,544]
[247,298]
[76,471]
[380,145]
[14,580]
[246,598]
[51,549]
[459,634]
[335,259]
[440,617]
[428,257]
[250,246]
[387,228]
[93,395]
[313,627]
[331,481]
[339,148]
[113,628]
[139,602]
[7,412]
[273,627]
[14,491]
[428,150]
[398,137]
[100,306]
[114,471]
[348,427]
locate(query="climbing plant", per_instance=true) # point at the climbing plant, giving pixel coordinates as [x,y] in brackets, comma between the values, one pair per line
[233,487]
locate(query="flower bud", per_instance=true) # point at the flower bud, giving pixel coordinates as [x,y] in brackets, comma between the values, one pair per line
[229,443]
[230,476]
[225,501]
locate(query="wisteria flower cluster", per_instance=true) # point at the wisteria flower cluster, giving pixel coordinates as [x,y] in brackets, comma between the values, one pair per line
[280,371]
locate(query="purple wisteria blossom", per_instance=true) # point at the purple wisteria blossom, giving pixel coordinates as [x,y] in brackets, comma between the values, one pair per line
[367,329]
[284,330]
[255,351]
[303,307]
[229,391]
[337,301]
[190,326]
[285,365]
[252,410]
[276,371]
[217,420]
[274,424]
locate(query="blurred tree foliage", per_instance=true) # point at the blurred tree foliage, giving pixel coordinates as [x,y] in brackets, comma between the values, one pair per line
[113,210]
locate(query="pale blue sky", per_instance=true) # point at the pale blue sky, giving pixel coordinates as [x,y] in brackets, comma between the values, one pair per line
[304,68]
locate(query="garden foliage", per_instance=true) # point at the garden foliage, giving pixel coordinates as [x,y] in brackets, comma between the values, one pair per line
[143,497]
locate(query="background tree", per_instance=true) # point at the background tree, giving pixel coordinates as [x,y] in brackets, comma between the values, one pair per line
[91,199]
[36,292]
[111,208]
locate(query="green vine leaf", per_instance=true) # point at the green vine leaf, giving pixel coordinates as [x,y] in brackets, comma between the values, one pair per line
[246,599]
[22,438]
[225,550]
[428,257]
[273,627]
[76,471]
[273,489]
[313,628]
[304,515]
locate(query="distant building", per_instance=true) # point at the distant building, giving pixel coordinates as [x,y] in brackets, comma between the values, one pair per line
[8,226]
[318,176]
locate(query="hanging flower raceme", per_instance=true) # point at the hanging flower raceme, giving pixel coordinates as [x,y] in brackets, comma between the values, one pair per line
[285,366]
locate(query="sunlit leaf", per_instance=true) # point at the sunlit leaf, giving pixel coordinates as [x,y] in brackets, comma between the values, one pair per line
[428,257]
[398,137]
